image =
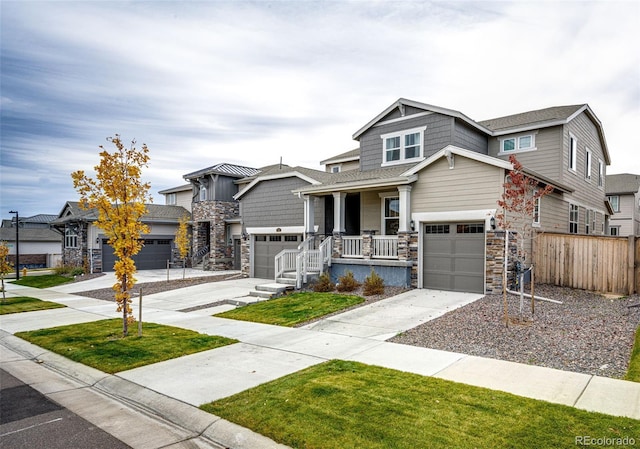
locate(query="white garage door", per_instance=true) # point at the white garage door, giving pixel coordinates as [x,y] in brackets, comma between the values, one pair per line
[454,256]
[266,247]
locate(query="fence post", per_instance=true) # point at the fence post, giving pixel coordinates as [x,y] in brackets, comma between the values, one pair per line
[631,264]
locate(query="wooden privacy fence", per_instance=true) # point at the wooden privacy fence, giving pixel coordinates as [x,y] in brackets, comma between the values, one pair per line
[597,263]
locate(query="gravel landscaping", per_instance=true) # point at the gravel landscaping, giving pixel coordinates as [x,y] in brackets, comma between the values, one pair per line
[587,333]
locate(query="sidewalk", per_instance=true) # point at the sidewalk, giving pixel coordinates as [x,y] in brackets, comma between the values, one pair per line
[267,352]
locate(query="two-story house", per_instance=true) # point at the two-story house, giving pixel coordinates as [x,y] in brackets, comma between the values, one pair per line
[216,228]
[623,193]
[420,204]
[39,245]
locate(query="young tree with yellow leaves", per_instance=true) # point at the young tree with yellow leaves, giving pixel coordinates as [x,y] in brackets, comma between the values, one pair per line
[119,196]
[182,240]
[5,265]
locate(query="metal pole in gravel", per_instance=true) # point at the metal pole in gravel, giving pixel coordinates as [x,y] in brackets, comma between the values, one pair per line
[140,314]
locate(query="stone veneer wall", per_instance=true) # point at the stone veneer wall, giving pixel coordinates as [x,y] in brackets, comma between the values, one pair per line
[245,256]
[495,260]
[216,212]
[408,250]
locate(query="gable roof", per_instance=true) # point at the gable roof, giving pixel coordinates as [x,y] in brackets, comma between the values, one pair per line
[279,171]
[231,170]
[156,213]
[622,183]
[402,102]
[352,155]
[182,188]
[544,118]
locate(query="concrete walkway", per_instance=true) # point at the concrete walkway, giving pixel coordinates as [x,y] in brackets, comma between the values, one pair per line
[173,389]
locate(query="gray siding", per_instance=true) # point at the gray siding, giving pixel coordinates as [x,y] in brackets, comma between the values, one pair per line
[224,189]
[587,193]
[271,203]
[469,138]
[439,133]
[546,159]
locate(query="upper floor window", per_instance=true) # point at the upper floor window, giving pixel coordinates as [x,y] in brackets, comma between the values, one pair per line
[573,219]
[573,153]
[335,169]
[614,200]
[70,238]
[171,199]
[402,147]
[600,173]
[587,164]
[520,143]
[203,192]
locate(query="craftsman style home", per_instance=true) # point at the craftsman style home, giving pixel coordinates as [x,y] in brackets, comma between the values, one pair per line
[416,201]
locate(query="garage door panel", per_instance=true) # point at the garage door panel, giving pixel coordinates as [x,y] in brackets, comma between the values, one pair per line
[266,248]
[453,257]
[153,255]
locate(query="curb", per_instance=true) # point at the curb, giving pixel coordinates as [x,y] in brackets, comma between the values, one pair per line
[219,431]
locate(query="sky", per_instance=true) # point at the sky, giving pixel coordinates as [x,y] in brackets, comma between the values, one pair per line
[250,82]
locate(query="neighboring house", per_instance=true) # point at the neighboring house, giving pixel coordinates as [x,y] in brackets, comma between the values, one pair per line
[343,162]
[178,196]
[215,215]
[84,244]
[623,193]
[418,208]
[39,245]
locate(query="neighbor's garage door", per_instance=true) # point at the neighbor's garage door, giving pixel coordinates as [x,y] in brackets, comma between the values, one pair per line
[154,254]
[453,257]
[265,250]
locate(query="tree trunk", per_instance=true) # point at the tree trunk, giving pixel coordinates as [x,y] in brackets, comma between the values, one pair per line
[125,321]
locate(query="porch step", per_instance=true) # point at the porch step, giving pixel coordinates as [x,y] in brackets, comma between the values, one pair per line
[269,291]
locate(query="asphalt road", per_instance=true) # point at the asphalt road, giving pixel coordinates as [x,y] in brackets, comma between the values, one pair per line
[31,421]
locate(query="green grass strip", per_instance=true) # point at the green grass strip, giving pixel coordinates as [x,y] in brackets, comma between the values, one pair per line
[344,405]
[43,281]
[633,373]
[100,343]
[19,304]
[293,309]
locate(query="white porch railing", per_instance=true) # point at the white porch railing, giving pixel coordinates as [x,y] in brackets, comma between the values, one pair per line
[352,246]
[326,247]
[385,247]
[285,261]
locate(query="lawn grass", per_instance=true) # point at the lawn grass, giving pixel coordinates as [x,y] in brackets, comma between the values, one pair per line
[633,373]
[43,281]
[100,344]
[19,304]
[293,309]
[343,405]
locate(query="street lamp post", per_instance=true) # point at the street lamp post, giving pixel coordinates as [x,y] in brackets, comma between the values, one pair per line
[17,243]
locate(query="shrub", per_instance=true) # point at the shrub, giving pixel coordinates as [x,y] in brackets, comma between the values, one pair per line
[347,283]
[68,270]
[373,284]
[323,284]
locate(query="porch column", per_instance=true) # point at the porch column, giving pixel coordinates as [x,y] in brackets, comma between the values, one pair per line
[338,212]
[309,215]
[405,208]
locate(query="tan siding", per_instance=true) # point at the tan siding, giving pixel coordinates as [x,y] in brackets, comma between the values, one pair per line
[370,210]
[184,199]
[471,185]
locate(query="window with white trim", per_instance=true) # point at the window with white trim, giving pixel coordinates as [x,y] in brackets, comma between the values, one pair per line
[614,230]
[335,169]
[573,219]
[600,173]
[573,153]
[70,238]
[536,212]
[171,199]
[518,143]
[587,164]
[614,200]
[391,215]
[402,147]
[587,222]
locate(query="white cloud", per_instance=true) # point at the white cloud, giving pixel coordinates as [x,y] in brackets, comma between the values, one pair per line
[250,82]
